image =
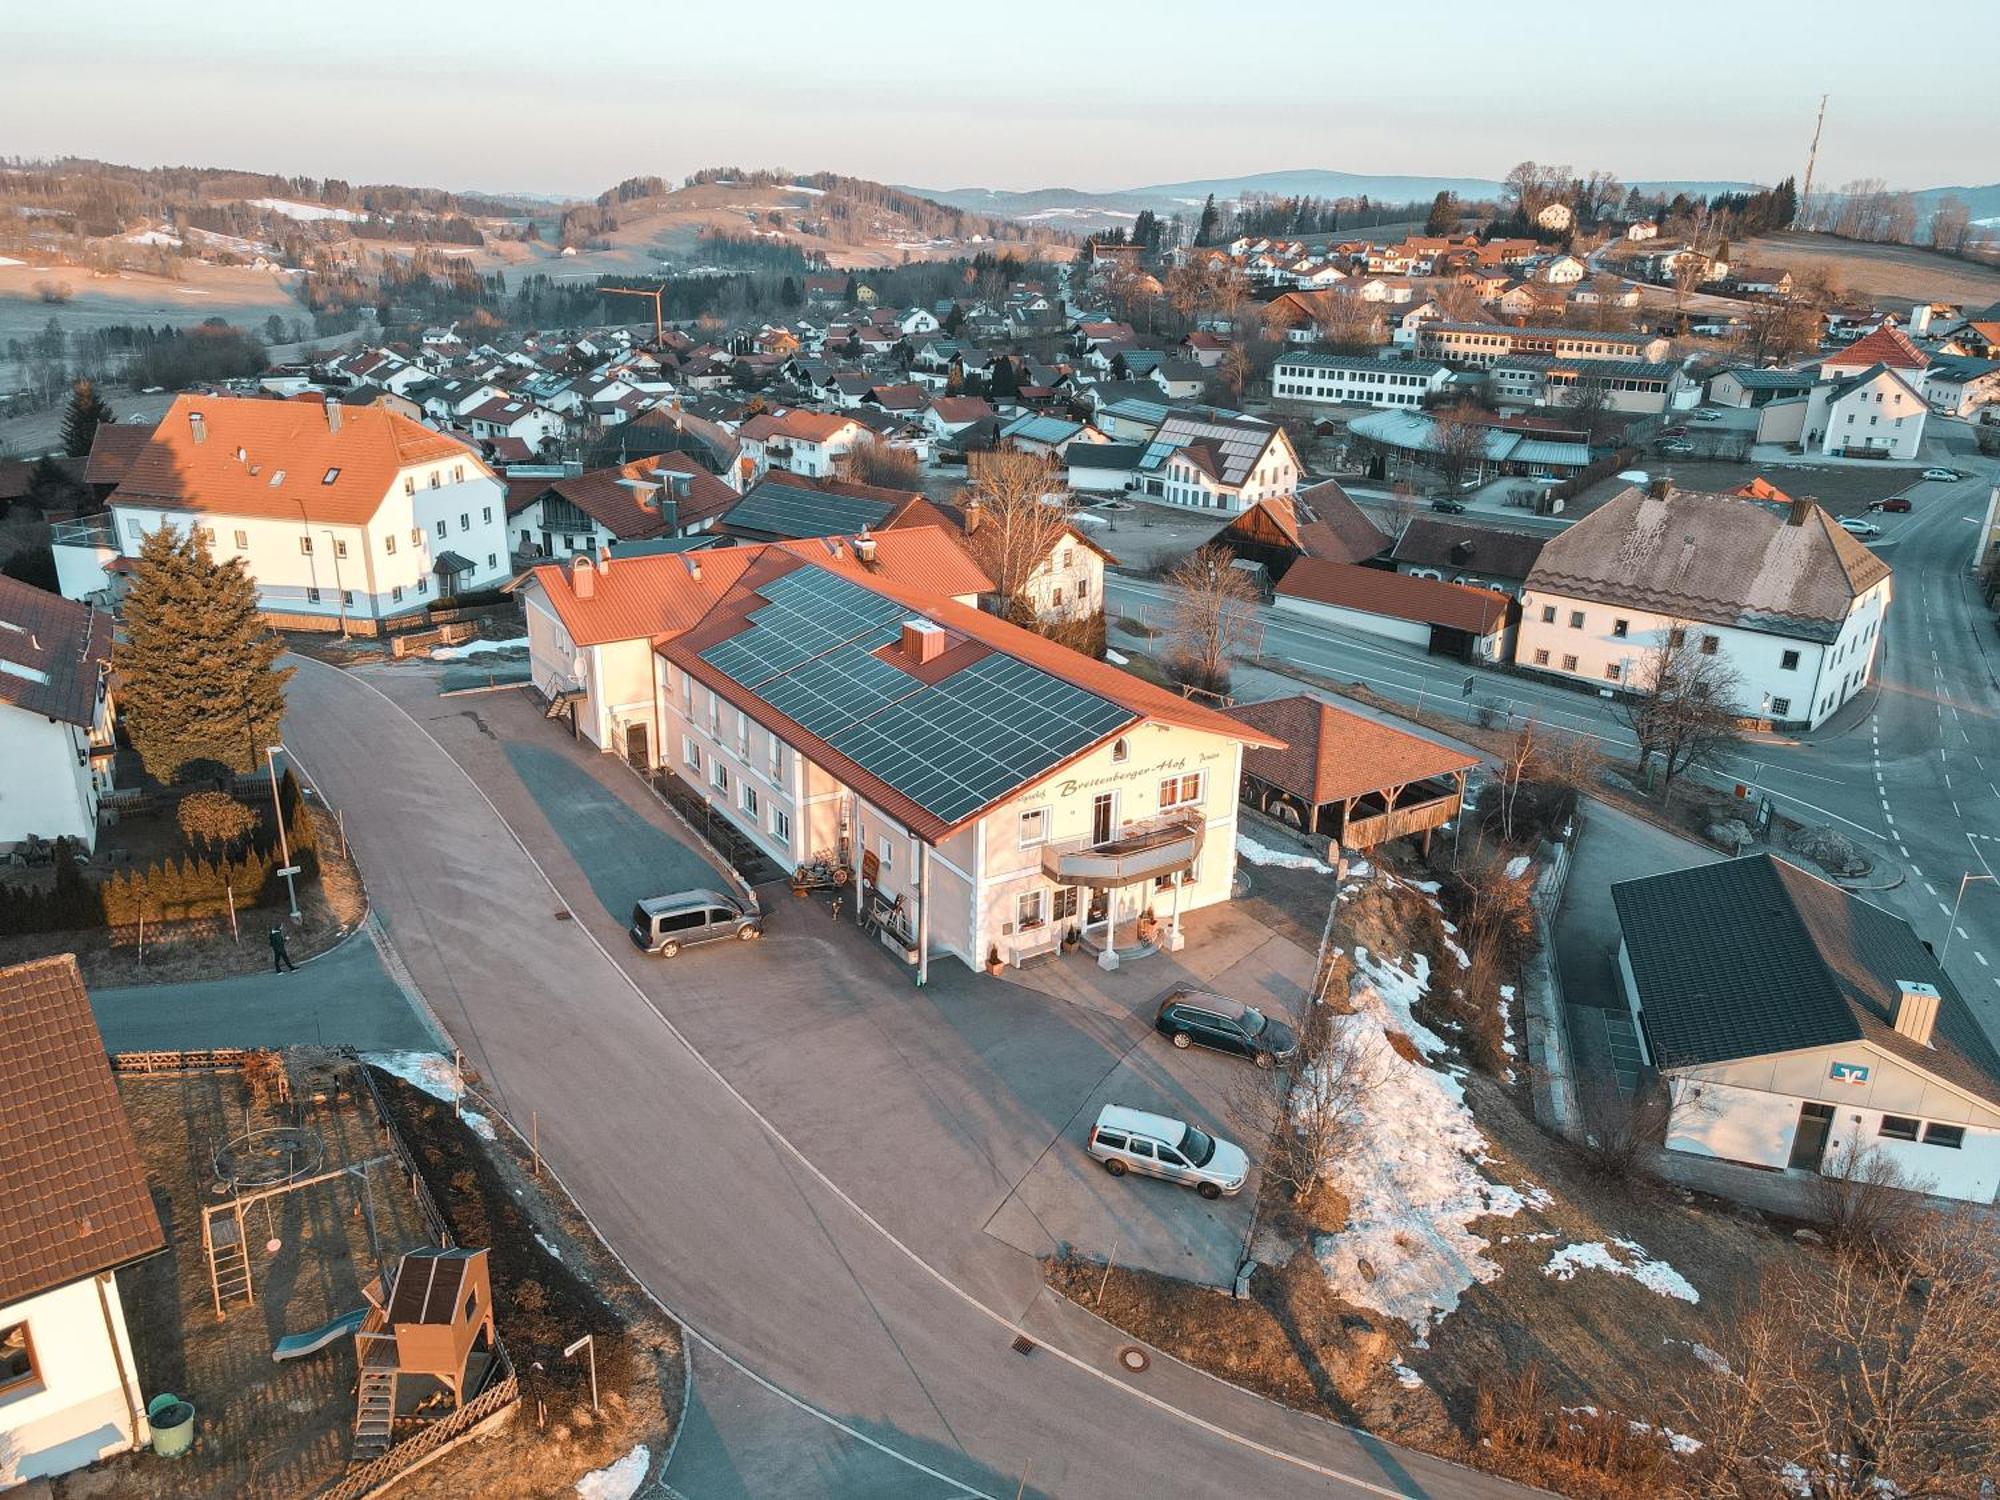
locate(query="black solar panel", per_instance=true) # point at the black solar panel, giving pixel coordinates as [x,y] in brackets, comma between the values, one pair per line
[777,509]
[957,745]
[832,691]
[810,612]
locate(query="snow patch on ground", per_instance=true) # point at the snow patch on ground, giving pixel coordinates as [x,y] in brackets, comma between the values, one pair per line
[8,260]
[1631,1260]
[542,1240]
[1414,1193]
[1407,1378]
[308,213]
[434,1074]
[1518,866]
[618,1481]
[478,648]
[1703,1353]
[1264,854]
[1507,1025]
[1116,658]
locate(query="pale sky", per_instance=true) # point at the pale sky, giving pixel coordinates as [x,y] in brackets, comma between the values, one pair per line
[1099,94]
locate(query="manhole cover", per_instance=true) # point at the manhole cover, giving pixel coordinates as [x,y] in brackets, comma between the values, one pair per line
[1133,1358]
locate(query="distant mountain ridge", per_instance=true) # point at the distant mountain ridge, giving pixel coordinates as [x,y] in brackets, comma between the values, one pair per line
[1080,209]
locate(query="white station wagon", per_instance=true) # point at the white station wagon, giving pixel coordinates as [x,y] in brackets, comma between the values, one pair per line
[1130,1140]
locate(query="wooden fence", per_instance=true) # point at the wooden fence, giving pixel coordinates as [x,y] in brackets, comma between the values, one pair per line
[417,641]
[490,1408]
[194,1060]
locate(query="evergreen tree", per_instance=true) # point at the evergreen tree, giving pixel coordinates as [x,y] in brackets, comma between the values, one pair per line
[1443,217]
[1210,217]
[202,684]
[788,292]
[86,409]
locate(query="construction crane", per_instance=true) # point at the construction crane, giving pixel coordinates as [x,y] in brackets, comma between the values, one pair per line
[1812,160]
[639,291]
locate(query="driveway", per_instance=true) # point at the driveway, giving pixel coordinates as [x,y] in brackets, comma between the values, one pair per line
[792,1146]
[343,998]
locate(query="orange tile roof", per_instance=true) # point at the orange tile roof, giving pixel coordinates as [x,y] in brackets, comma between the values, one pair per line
[1375,591]
[113,448]
[73,1194]
[656,597]
[1331,754]
[803,426]
[1887,345]
[52,652]
[291,457]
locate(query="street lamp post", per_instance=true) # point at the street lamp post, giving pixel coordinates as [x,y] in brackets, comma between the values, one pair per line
[1968,878]
[288,870]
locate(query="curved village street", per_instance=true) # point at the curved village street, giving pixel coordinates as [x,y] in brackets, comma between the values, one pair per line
[817,1204]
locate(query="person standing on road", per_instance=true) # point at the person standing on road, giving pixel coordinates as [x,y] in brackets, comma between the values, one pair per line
[281,961]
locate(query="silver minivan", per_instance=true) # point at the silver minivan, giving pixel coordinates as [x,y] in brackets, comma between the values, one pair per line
[666,924]
[1131,1140]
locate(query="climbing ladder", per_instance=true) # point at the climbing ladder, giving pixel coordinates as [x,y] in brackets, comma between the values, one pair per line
[374,1410]
[222,1236]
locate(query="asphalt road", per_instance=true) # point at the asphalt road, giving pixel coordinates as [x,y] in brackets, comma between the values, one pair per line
[835,1354]
[344,997]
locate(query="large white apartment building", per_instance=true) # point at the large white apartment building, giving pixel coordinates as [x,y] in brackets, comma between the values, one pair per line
[1356,379]
[1793,603]
[1480,344]
[352,514]
[992,790]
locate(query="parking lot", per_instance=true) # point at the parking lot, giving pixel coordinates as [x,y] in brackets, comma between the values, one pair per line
[956,1112]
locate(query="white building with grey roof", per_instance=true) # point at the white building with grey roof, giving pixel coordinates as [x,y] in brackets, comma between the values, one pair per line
[1792,602]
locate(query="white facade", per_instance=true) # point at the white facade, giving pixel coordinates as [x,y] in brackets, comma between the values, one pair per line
[1068,584]
[83,1401]
[52,774]
[1183,481]
[1785,678]
[372,571]
[1751,1110]
[1332,380]
[1881,415]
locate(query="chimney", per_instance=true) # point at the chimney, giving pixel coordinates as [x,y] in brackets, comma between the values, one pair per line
[582,576]
[1801,508]
[864,547]
[197,427]
[1916,1010]
[693,565]
[333,416]
[1661,488]
[922,641]
[975,513]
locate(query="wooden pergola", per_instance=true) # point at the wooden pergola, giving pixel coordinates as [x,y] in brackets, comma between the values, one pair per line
[1349,779]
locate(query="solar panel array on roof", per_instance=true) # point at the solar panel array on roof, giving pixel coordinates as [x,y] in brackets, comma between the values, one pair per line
[957,745]
[952,746]
[1239,444]
[780,510]
[810,612]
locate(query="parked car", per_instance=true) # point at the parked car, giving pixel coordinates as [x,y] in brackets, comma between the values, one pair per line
[1202,1018]
[1705,415]
[1896,503]
[1667,432]
[1449,506]
[1860,528]
[1131,1140]
[1677,445]
[664,925]
[1943,476]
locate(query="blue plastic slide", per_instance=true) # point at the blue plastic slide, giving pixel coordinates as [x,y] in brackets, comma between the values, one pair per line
[298,1345]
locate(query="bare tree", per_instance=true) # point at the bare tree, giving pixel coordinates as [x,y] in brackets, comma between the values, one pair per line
[1863,1199]
[1215,618]
[1337,1067]
[1457,443]
[1683,704]
[1951,225]
[876,462]
[1858,1375]
[1587,401]
[1016,513]
[1621,1130]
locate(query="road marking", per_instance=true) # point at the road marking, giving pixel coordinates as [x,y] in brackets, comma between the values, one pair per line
[1982,959]
[1927,885]
[1943,908]
[1006,1323]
